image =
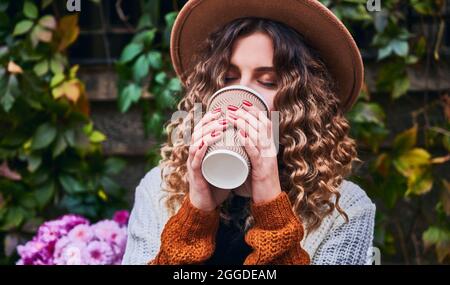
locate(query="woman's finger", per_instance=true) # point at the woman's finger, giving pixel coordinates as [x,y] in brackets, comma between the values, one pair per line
[261,116]
[249,131]
[243,114]
[200,151]
[215,125]
[208,117]
[265,127]
[249,146]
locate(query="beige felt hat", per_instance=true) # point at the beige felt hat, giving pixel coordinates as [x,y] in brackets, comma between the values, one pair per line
[319,26]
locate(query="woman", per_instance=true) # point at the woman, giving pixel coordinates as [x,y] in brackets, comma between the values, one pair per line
[295,207]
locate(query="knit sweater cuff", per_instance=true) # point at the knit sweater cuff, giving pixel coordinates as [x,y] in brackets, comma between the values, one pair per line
[199,221]
[274,214]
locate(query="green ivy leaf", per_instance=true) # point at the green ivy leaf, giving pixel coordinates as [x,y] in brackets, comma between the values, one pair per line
[165,99]
[174,84]
[9,89]
[412,162]
[30,10]
[34,161]
[384,52]
[405,140]
[419,182]
[161,78]
[37,177]
[155,59]
[401,86]
[22,27]
[154,124]
[70,184]
[44,136]
[69,135]
[114,165]
[169,18]
[111,187]
[97,137]
[130,94]
[440,238]
[27,201]
[41,68]
[131,51]
[424,7]
[60,146]
[56,66]
[421,46]
[401,48]
[88,128]
[145,37]
[13,219]
[57,79]
[45,3]
[145,21]
[140,68]
[367,113]
[44,194]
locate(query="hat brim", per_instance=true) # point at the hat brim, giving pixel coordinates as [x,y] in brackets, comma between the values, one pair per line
[318,25]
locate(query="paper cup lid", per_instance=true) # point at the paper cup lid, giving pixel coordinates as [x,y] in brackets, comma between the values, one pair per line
[225,169]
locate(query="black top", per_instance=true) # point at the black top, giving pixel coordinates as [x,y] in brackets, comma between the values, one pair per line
[231,248]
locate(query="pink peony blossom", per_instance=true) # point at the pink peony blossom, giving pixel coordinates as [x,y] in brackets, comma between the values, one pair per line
[121,217]
[98,253]
[81,233]
[72,240]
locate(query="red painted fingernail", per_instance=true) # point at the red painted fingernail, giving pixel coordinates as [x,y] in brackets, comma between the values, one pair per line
[223,122]
[243,133]
[247,103]
[233,116]
[217,110]
[201,144]
[214,134]
[232,108]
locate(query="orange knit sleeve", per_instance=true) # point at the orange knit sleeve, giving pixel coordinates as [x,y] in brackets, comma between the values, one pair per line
[188,237]
[276,234]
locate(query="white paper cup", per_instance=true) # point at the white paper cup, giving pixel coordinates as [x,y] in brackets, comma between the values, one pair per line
[226,164]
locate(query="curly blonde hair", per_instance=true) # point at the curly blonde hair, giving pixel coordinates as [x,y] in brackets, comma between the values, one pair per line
[316,152]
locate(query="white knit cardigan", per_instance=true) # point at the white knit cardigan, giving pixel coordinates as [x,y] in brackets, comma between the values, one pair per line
[334,242]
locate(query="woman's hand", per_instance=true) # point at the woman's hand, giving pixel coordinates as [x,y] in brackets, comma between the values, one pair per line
[207,131]
[255,133]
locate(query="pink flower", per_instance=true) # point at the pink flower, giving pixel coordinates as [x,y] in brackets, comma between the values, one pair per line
[70,254]
[71,240]
[98,252]
[82,233]
[106,230]
[121,217]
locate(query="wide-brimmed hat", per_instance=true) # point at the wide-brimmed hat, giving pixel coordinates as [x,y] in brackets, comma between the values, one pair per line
[320,28]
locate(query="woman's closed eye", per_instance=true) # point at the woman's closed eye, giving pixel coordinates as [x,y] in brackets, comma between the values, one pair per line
[265,83]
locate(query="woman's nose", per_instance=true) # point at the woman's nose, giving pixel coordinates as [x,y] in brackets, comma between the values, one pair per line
[245,82]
